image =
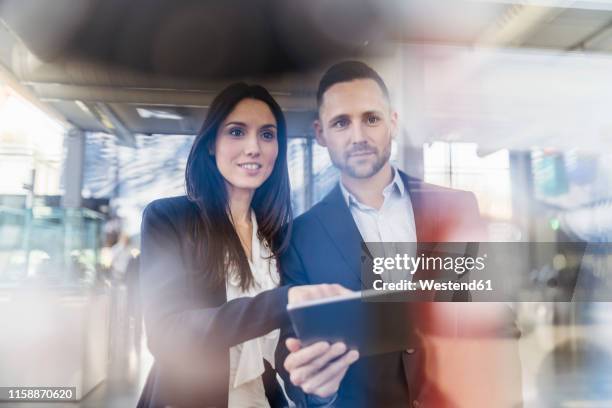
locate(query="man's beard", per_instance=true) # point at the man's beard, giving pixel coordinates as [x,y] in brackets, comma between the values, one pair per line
[363,172]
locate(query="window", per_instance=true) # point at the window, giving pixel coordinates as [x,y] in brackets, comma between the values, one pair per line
[459,166]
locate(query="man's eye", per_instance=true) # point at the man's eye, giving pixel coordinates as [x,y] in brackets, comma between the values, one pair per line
[372,120]
[341,123]
[236,132]
[268,135]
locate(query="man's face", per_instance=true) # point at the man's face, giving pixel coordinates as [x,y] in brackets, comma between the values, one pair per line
[356,125]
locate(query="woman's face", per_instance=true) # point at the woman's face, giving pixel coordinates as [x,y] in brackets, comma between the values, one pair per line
[246,146]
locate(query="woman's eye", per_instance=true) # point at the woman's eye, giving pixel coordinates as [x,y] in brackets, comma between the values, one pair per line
[236,132]
[372,120]
[268,135]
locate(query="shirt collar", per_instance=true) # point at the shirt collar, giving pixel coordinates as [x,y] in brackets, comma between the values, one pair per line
[396,185]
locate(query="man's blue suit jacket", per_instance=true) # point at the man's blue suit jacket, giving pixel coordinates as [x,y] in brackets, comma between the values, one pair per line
[326,248]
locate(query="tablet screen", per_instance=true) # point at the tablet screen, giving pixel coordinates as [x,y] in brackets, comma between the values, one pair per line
[365,321]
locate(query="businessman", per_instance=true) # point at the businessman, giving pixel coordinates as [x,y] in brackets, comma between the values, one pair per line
[373,202]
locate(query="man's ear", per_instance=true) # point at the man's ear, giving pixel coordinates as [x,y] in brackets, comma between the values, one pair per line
[318,129]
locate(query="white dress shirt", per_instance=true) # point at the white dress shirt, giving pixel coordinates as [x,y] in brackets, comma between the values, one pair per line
[392,224]
[246,387]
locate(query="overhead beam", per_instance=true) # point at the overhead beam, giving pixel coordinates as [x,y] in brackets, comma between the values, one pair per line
[10,80]
[112,123]
[518,21]
[583,44]
[153,97]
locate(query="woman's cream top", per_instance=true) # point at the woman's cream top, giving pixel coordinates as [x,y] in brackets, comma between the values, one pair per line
[246,359]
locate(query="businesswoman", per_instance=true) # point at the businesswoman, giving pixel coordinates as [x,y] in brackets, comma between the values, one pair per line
[209,277]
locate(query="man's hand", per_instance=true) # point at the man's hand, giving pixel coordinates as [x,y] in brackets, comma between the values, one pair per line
[319,368]
[303,293]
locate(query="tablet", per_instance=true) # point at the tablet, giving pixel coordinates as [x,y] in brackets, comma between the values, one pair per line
[368,321]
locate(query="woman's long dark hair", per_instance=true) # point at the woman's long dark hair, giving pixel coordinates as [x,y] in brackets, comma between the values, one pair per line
[216,240]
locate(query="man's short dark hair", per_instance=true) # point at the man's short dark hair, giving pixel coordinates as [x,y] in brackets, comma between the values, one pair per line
[347,71]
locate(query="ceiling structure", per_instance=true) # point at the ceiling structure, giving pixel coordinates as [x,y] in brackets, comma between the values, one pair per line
[153,66]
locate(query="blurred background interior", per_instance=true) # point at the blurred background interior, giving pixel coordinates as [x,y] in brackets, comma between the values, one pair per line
[100,101]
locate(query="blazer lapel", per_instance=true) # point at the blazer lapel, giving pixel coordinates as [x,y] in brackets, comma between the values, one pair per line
[340,225]
[424,215]
[338,221]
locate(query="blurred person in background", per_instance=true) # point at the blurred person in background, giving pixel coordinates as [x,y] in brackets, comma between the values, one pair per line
[209,277]
[121,253]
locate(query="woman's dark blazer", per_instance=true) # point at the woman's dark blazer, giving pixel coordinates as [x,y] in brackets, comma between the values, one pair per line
[189,323]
